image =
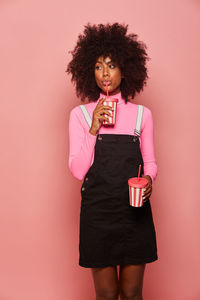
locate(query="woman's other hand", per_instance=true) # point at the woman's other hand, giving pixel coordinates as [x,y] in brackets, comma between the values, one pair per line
[148,188]
[99,115]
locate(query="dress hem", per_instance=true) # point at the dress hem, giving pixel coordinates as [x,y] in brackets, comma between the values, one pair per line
[116,263]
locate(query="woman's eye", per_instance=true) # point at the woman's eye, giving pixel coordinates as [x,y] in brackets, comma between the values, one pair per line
[97,67]
[112,66]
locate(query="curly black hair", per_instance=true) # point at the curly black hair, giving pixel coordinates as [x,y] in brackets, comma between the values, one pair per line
[113,41]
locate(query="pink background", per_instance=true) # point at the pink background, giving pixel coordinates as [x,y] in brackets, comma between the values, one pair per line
[40,200]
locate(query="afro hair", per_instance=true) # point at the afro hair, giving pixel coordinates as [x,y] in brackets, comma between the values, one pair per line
[124,49]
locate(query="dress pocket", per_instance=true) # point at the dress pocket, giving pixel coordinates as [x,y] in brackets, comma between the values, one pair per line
[84,185]
[87,191]
[89,182]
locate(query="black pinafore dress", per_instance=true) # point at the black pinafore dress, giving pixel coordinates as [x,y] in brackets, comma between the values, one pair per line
[111,231]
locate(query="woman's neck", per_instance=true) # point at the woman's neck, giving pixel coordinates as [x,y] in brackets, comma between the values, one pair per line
[118,96]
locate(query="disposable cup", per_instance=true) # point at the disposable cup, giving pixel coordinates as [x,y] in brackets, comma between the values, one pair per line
[112,102]
[136,190]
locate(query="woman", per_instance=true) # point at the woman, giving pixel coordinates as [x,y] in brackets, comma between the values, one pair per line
[112,232]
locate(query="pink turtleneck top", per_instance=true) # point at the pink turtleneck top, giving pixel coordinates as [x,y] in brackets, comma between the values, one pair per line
[82,143]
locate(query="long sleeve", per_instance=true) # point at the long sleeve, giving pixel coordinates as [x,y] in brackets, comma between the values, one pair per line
[81,145]
[147,145]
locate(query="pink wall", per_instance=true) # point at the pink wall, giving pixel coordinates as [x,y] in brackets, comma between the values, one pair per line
[40,202]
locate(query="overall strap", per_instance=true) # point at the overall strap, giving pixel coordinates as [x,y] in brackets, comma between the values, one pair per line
[86,115]
[140,109]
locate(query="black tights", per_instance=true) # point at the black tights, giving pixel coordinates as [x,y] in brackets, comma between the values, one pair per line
[129,284]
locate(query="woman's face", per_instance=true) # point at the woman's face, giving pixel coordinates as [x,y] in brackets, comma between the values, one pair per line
[107,71]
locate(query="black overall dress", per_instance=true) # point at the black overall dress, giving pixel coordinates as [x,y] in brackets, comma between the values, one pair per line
[111,231]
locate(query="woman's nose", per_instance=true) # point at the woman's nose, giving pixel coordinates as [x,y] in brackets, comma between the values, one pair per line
[105,72]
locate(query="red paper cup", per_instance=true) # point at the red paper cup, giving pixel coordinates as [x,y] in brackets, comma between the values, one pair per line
[136,190]
[112,102]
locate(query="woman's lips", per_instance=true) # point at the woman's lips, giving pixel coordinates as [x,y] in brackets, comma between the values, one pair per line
[106,82]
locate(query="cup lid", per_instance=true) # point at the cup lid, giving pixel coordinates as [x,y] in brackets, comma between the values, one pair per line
[137,183]
[111,99]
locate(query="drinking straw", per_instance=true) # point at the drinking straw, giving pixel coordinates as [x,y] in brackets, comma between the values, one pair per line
[107,90]
[139,172]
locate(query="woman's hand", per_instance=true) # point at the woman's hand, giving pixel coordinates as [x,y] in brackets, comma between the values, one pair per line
[148,188]
[99,116]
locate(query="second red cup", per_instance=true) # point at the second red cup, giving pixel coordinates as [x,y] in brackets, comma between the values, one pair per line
[136,190]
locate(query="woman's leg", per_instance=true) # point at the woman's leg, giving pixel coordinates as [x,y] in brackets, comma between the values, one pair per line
[106,283]
[131,281]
